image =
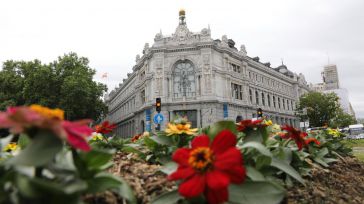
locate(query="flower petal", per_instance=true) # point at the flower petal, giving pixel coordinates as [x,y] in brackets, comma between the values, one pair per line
[217,180]
[193,186]
[217,196]
[77,133]
[200,141]
[78,143]
[223,141]
[181,156]
[236,174]
[181,173]
[228,159]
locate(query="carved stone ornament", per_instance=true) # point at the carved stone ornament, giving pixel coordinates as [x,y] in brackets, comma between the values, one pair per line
[158,63]
[243,50]
[146,48]
[182,34]
[137,58]
[224,41]
[206,59]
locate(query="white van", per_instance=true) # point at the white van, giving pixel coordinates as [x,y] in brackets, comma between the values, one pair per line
[356,129]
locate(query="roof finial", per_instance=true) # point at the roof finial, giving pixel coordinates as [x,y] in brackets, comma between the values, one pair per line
[282,61]
[182,17]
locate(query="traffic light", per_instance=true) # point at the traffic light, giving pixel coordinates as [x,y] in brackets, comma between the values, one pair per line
[260,113]
[158,104]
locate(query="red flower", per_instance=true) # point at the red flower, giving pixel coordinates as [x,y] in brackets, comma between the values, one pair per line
[136,137]
[76,133]
[209,168]
[296,135]
[246,125]
[105,127]
[310,140]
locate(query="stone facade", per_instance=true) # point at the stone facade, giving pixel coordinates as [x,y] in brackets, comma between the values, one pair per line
[208,80]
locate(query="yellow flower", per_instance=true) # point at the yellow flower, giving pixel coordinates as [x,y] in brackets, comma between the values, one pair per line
[178,129]
[333,132]
[47,112]
[268,122]
[96,136]
[10,147]
[146,134]
[276,128]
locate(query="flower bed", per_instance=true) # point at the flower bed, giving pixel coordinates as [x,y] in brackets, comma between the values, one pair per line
[253,161]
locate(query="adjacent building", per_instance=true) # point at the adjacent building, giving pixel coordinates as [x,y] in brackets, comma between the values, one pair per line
[330,77]
[330,84]
[205,79]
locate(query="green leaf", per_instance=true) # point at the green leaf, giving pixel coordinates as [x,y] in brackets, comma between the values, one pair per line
[130,149]
[126,192]
[252,192]
[151,144]
[23,141]
[169,168]
[254,136]
[258,146]
[254,174]
[41,150]
[262,161]
[322,152]
[36,187]
[104,181]
[162,139]
[221,125]
[96,158]
[167,198]
[288,169]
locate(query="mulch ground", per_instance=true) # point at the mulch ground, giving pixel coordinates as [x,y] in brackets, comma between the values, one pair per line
[342,182]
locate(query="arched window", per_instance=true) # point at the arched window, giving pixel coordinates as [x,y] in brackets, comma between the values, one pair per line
[256,98]
[184,83]
[263,99]
[268,100]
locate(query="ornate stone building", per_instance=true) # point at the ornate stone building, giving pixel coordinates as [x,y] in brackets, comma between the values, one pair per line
[205,79]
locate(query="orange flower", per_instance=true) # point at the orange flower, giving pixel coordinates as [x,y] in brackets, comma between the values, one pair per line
[312,140]
[105,127]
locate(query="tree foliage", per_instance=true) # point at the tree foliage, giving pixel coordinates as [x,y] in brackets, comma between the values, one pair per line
[319,108]
[66,83]
[343,119]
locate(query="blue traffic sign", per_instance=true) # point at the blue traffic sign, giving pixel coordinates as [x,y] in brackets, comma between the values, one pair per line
[158,118]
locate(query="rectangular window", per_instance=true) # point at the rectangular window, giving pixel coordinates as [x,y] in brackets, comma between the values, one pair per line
[236,91]
[251,96]
[279,103]
[235,67]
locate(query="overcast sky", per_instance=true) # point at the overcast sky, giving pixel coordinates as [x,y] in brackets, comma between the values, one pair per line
[304,33]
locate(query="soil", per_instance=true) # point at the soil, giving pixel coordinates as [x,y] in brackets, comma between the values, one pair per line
[342,182]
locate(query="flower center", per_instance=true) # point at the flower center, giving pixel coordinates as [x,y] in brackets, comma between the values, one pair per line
[201,158]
